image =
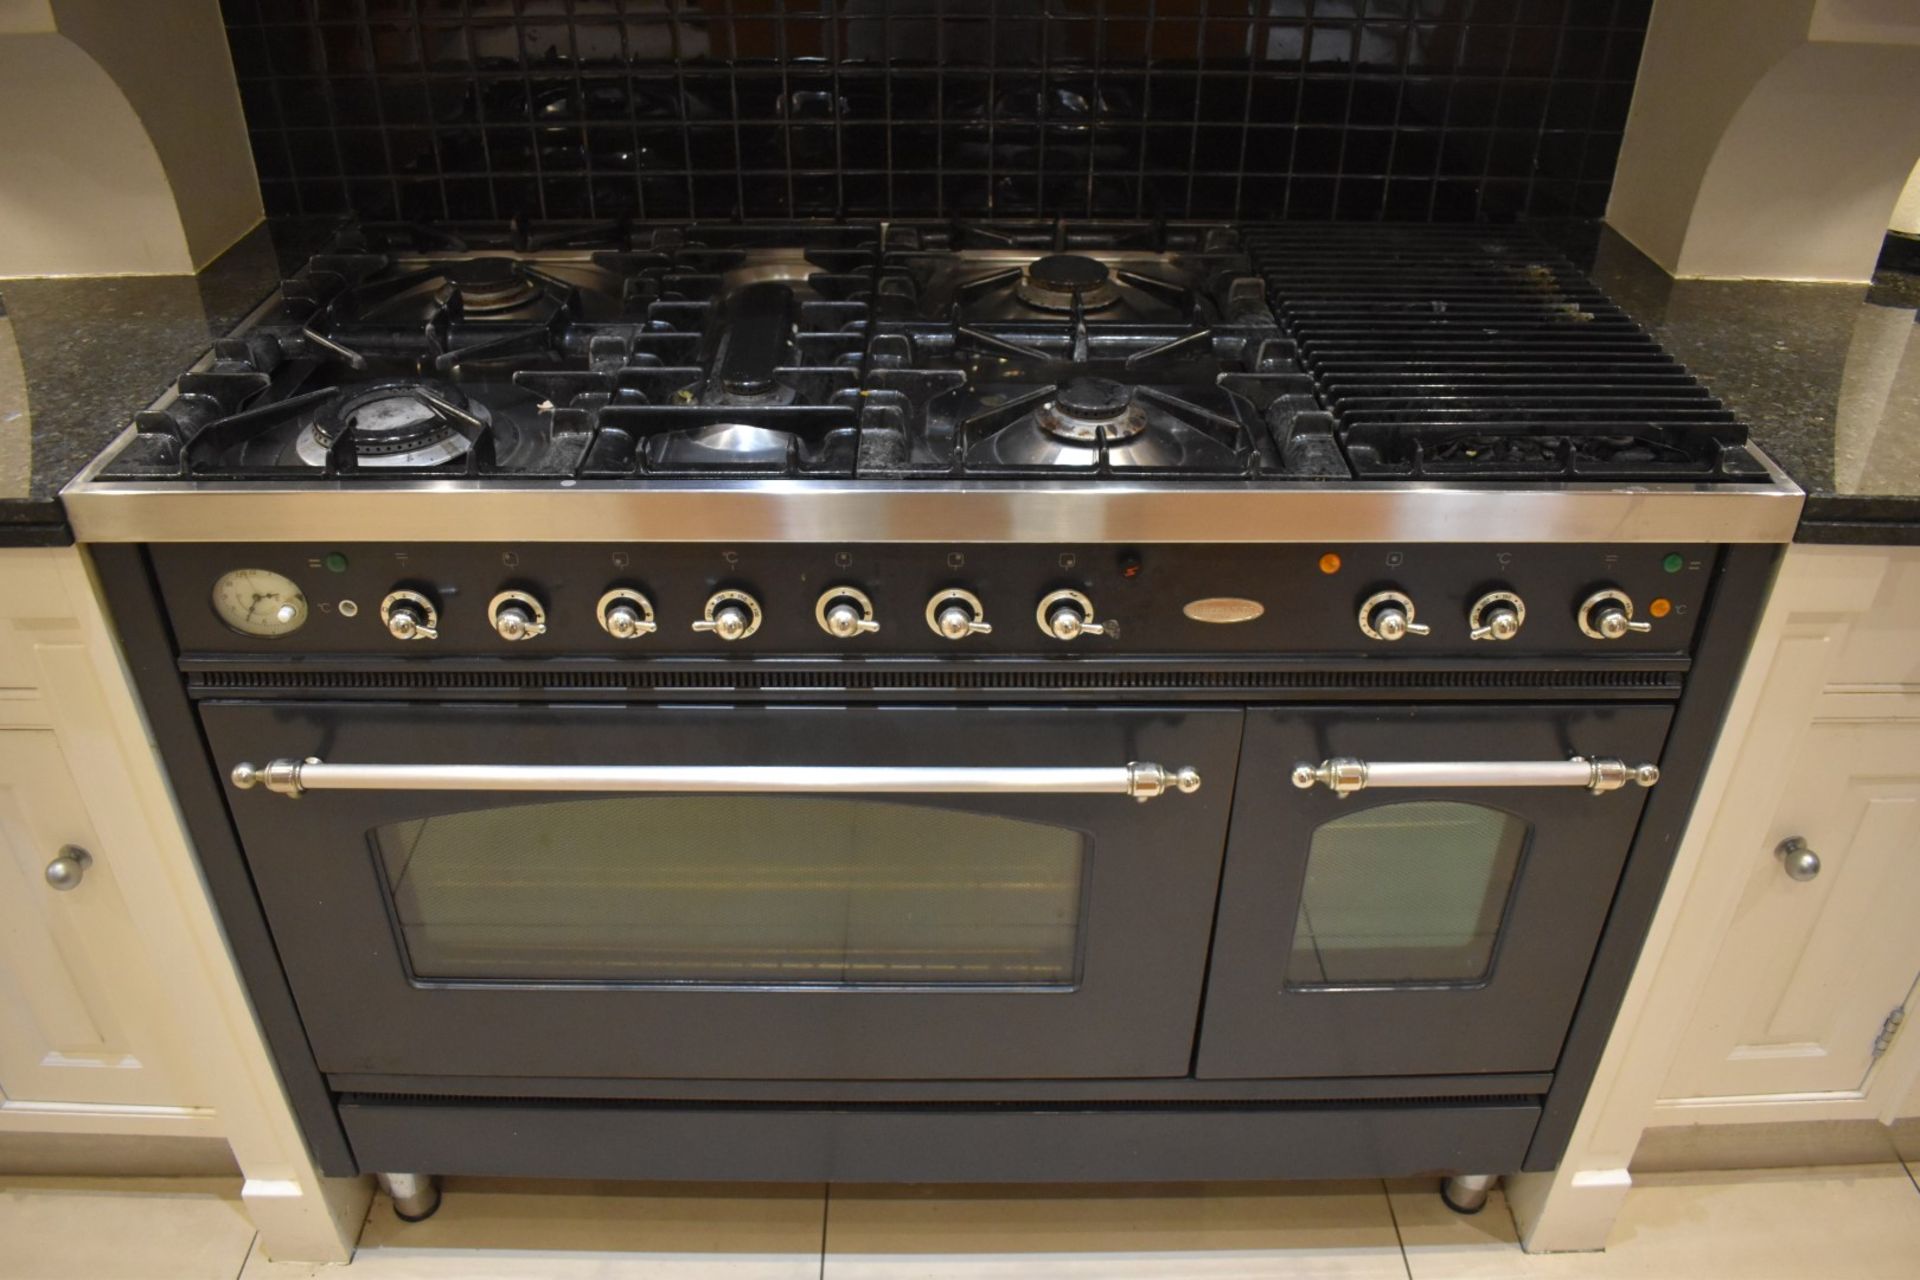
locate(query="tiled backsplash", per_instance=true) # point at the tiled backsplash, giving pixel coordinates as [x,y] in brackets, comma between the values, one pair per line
[1355,109]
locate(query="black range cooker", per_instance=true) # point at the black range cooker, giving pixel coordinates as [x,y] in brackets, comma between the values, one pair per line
[935,701]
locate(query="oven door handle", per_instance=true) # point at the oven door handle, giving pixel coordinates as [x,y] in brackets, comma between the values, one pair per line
[1344,775]
[1141,781]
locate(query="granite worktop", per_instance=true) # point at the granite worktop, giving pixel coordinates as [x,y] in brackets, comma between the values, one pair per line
[80,356]
[1827,376]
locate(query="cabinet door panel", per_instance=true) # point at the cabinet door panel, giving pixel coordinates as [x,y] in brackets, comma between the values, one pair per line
[1810,969]
[72,982]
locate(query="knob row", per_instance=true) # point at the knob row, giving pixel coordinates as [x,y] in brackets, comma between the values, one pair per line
[843,612]
[1607,614]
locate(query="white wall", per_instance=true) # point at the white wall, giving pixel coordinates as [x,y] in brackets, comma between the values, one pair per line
[1906,214]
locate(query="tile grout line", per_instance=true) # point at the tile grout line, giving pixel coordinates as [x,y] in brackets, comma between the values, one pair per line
[1911,1176]
[1405,1262]
[247,1257]
[826,1207]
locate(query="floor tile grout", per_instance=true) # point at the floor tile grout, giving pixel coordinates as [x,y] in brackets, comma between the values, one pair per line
[826,1207]
[1911,1176]
[247,1257]
[1406,1263]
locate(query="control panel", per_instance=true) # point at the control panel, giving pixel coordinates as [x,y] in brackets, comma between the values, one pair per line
[552,599]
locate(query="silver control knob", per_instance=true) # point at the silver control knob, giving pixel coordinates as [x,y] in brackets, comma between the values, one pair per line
[845,612]
[515,615]
[67,870]
[1067,615]
[1608,615]
[409,615]
[1388,615]
[957,614]
[1497,615]
[731,615]
[625,614]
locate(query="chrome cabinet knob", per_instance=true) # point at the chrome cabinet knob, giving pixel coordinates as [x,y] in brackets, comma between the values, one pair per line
[845,612]
[515,615]
[1388,615]
[957,614]
[1497,615]
[1067,615]
[67,870]
[1798,858]
[408,615]
[1608,615]
[625,614]
[731,615]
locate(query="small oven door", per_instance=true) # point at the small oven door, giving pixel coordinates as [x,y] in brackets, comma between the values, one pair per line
[1440,918]
[545,914]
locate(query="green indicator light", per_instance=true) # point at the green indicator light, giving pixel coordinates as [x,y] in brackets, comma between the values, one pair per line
[337,563]
[1674,562]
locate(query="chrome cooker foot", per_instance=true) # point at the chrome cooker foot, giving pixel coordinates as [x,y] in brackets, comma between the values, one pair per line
[1467,1192]
[415,1196]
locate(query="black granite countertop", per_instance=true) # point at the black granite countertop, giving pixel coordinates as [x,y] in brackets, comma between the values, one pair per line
[1827,376]
[80,356]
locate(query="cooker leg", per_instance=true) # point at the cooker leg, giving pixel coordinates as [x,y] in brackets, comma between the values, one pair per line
[415,1196]
[1467,1192]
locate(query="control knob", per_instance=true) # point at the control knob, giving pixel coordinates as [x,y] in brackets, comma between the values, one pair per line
[731,615]
[1497,615]
[626,614]
[515,615]
[409,615]
[1607,614]
[1388,615]
[957,614]
[1067,615]
[845,612]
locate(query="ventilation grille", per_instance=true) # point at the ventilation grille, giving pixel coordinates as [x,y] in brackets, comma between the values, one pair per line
[957,680]
[1448,351]
[946,1105]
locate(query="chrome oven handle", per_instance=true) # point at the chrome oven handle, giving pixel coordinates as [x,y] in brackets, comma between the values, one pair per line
[1344,775]
[1141,781]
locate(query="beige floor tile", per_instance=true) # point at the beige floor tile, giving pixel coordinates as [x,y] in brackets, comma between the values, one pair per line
[490,1229]
[109,1228]
[1857,1222]
[1205,1232]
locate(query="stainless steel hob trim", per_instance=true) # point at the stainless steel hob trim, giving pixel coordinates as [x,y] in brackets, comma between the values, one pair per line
[789,510]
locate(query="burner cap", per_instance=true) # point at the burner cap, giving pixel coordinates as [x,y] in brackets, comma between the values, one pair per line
[1053,282]
[490,284]
[394,424]
[1087,409]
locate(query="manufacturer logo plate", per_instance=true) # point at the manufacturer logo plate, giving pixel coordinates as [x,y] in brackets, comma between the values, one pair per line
[1223,609]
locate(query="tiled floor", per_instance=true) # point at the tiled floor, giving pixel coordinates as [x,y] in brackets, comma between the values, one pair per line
[1799,1224]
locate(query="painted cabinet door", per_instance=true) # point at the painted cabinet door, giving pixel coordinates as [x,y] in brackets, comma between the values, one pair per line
[73,987]
[1811,968]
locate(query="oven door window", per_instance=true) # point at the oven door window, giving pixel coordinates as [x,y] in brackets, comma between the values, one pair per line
[737,890]
[1405,893]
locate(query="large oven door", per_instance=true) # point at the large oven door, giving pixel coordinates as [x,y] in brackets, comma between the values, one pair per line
[630,891]
[1441,915]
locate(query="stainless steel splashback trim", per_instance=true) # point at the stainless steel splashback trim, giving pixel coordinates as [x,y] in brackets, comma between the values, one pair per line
[946,513]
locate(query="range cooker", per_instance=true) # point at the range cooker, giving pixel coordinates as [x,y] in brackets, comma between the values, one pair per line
[935,701]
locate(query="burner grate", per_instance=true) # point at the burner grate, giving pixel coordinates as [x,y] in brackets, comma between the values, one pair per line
[1468,353]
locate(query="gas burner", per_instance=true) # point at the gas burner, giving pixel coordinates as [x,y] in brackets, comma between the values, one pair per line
[486,285]
[1087,410]
[1055,282]
[394,424]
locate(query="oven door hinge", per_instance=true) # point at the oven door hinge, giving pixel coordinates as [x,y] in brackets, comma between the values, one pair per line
[1888,1030]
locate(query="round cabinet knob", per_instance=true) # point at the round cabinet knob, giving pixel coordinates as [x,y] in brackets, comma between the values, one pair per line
[1800,861]
[1608,615]
[408,615]
[957,614]
[67,870]
[1067,615]
[1388,615]
[515,615]
[626,615]
[844,612]
[731,615]
[1497,615]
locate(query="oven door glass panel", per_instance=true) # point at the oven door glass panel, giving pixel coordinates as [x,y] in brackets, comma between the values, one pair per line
[1415,930]
[1405,893]
[736,889]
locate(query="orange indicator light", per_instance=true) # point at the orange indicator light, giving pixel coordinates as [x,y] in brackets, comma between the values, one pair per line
[1329,563]
[1660,608]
